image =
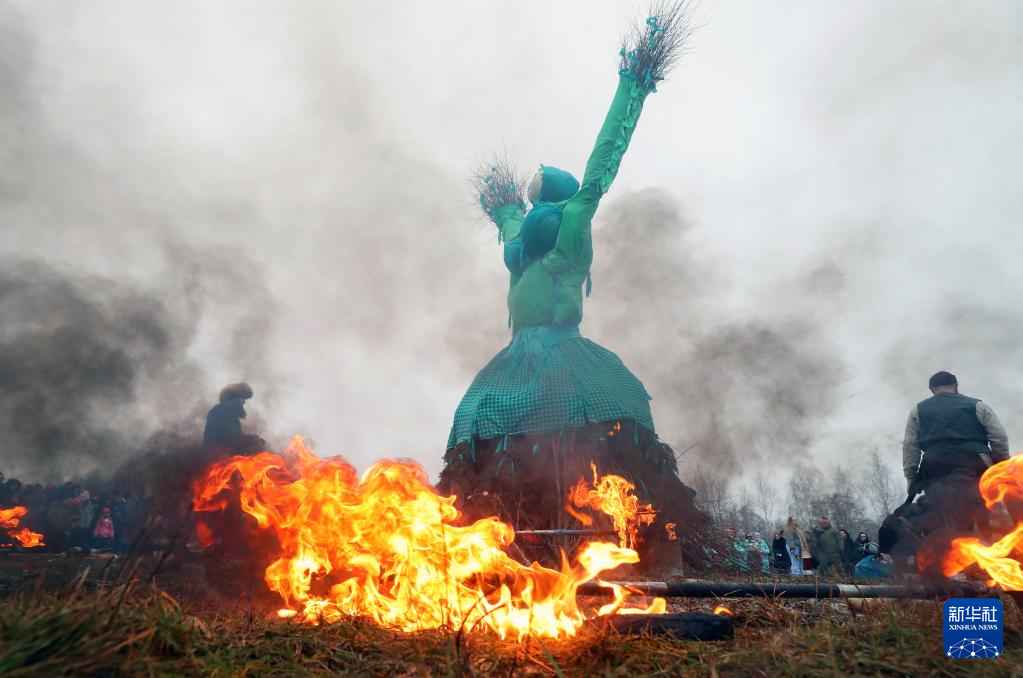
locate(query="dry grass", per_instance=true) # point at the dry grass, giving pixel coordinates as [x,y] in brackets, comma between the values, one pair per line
[94,628]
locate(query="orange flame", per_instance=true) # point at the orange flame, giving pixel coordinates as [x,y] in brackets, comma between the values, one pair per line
[581,517]
[27,538]
[388,547]
[721,609]
[614,496]
[670,529]
[10,519]
[1001,482]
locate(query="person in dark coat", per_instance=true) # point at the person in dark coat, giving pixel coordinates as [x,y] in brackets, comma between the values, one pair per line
[223,432]
[117,505]
[224,437]
[780,557]
[848,550]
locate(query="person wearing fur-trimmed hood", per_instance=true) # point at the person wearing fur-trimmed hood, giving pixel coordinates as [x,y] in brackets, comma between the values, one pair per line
[223,431]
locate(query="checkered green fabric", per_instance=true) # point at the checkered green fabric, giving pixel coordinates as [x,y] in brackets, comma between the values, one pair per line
[546,380]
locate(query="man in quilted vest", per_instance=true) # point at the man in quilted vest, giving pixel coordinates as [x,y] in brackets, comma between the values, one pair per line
[950,441]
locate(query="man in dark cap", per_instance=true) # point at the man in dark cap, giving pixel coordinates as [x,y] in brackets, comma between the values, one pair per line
[223,431]
[951,439]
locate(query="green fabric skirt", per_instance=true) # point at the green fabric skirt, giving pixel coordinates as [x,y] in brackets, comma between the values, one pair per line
[549,379]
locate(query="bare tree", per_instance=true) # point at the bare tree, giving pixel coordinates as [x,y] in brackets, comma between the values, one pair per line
[806,488]
[879,487]
[748,518]
[711,491]
[832,494]
[842,508]
[765,501]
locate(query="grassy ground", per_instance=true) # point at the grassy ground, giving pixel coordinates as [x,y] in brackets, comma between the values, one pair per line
[56,625]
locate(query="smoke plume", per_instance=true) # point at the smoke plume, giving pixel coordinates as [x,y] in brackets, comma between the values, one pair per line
[94,369]
[735,386]
[286,186]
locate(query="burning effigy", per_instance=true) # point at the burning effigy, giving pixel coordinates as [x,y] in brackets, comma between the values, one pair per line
[553,401]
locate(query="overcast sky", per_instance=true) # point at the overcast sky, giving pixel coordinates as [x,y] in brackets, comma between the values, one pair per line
[820,207]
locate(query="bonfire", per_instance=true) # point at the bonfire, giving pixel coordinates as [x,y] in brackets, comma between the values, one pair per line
[387,546]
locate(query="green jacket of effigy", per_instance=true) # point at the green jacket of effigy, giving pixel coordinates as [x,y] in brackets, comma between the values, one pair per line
[549,292]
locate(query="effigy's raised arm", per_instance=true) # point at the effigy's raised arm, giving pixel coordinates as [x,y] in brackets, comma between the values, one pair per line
[499,190]
[649,52]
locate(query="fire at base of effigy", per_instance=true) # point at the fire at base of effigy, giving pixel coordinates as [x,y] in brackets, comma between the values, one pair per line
[389,547]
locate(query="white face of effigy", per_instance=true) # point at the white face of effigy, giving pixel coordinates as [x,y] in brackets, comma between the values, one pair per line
[533,191]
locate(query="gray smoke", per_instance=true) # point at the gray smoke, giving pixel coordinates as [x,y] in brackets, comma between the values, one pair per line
[978,342]
[92,368]
[289,183]
[115,188]
[737,386]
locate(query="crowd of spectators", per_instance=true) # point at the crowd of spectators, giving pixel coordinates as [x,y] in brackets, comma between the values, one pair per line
[84,517]
[76,519]
[822,551]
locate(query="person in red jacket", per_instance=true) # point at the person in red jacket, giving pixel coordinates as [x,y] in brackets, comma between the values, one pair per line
[103,533]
